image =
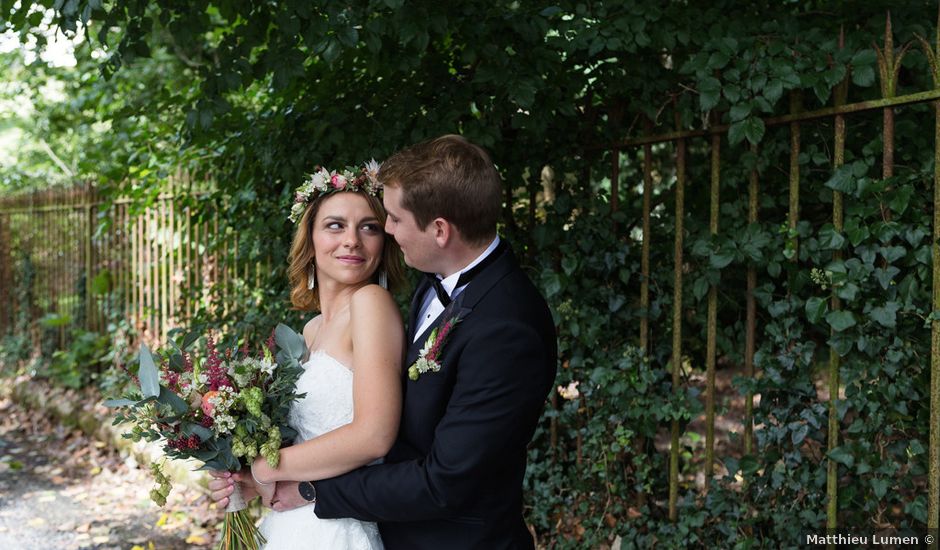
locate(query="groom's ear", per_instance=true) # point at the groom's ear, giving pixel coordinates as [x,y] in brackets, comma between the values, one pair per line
[443,231]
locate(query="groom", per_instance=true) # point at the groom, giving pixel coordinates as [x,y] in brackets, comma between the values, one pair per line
[453,478]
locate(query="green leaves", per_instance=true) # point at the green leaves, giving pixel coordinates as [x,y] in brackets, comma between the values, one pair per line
[840,320]
[290,342]
[112,403]
[886,315]
[751,128]
[175,402]
[148,374]
[863,68]
[842,455]
[900,198]
[829,238]
[816,309]
[709,90]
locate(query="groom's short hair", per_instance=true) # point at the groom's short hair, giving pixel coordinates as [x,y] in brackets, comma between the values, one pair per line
[448,177]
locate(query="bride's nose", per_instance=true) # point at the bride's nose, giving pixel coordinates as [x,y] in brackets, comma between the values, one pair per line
[351,238]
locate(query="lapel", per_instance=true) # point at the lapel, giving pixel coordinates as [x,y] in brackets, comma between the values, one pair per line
[464,303]
[419,293]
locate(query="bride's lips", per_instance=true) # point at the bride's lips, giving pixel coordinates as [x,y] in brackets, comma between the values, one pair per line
[351,259]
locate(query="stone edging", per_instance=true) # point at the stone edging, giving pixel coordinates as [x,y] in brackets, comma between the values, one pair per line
[83,410]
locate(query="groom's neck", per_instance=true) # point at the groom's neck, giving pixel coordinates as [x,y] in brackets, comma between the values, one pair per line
[460,254]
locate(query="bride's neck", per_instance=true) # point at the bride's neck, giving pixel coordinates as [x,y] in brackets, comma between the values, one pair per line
[336,299]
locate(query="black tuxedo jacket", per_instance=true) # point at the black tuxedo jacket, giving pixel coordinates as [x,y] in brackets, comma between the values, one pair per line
[453,478]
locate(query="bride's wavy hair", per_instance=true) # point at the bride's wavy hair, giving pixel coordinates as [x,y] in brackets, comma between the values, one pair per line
[302,254]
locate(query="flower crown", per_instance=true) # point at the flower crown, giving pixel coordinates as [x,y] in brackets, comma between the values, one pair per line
[323,182]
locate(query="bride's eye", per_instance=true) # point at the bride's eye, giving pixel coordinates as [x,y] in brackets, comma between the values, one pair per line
[334,225]
[372,227]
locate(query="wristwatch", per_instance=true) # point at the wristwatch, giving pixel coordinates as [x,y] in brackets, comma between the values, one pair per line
[307,491]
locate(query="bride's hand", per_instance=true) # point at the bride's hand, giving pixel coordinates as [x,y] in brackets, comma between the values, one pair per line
[266,491]
[222,485]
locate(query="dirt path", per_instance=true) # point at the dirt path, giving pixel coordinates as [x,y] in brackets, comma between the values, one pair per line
[60,490]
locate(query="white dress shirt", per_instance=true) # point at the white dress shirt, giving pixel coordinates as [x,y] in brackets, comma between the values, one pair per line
[431,307]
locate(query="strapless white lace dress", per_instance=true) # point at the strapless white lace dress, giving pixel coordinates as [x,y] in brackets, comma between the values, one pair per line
[327,406]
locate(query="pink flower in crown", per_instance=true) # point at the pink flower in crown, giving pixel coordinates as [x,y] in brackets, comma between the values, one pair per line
[338,181]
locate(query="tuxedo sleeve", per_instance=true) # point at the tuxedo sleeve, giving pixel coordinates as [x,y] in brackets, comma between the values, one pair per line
[504,372]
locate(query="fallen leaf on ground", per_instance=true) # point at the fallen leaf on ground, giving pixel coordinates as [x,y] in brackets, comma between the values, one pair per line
[162,521]
[196,539]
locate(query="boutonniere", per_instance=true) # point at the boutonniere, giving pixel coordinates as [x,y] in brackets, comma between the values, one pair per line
[431,352]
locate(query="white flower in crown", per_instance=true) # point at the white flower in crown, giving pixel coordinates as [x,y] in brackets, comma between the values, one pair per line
[372,170]
[296,211]
[318,180]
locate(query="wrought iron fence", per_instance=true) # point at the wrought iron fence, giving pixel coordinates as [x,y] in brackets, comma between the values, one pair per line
[97,262]
[679,138]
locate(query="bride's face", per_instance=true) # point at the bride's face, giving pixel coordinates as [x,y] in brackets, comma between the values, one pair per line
[348,239]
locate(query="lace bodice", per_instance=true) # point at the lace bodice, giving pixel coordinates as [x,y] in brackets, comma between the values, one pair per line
[328,403]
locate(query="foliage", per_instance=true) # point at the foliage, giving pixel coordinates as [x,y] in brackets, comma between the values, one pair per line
[68,123]
[539,84]
[16,346]
[77,365]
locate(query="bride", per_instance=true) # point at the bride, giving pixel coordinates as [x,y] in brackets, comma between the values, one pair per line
[349,417]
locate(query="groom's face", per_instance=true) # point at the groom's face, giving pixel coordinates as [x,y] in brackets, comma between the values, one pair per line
[417,245]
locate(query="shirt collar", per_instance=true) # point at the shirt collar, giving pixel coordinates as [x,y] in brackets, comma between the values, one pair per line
[449,282]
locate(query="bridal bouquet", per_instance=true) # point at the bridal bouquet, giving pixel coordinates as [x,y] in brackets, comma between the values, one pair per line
[221,407]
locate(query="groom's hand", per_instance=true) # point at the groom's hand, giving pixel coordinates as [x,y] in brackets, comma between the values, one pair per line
[287,497]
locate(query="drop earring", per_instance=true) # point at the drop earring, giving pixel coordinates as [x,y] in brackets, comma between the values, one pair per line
[383,279]
[312,277]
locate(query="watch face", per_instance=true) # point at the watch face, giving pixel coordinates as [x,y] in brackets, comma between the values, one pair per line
[307,491]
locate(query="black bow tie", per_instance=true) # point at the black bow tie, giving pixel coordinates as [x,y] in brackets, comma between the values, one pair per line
[466,276]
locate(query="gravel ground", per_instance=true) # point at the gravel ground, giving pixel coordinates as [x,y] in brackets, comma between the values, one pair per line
[60,490]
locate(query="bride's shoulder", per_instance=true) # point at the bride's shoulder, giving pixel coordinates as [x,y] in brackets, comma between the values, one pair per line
[311,328]
[372,298]
[371,292]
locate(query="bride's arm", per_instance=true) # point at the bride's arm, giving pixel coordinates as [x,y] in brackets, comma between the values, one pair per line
[377,340]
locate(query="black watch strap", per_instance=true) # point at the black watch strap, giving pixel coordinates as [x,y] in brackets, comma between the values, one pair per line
[307,491]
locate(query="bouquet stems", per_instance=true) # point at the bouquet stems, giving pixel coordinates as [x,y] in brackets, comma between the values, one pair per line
[238,528]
